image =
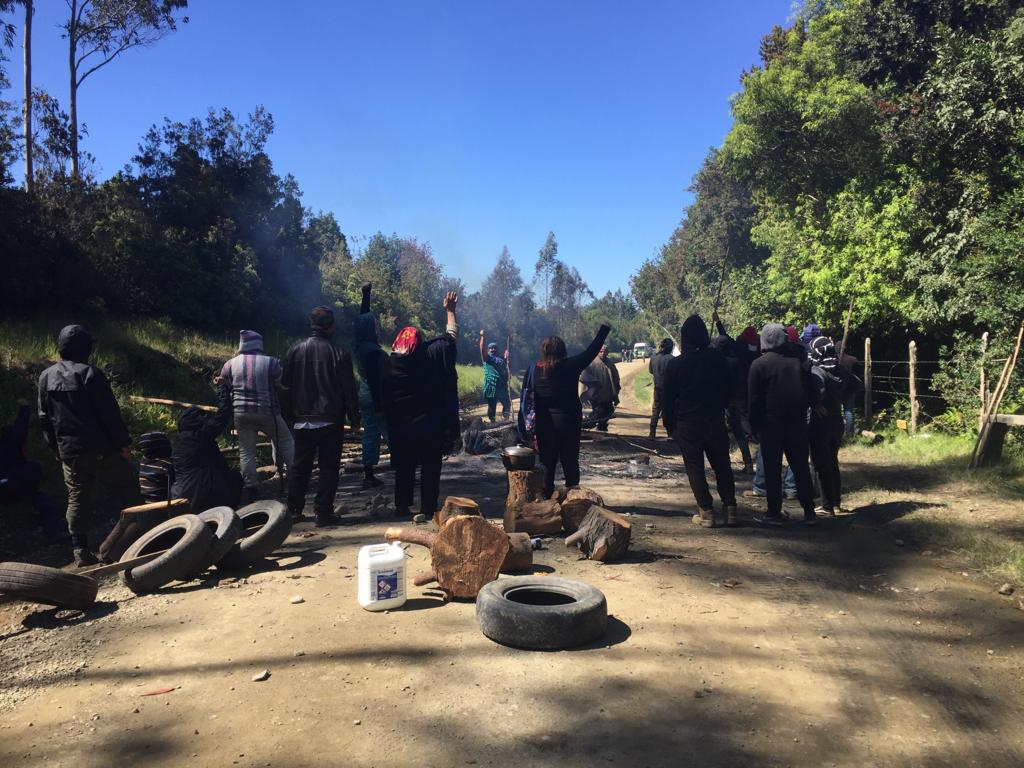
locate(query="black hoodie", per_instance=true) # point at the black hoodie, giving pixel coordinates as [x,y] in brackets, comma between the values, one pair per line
[697,383]
[201,474]
[78,412]
[779,384]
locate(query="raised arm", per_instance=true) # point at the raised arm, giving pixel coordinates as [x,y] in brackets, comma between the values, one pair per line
[364,306]
[451,301]
[581,361]
[483,357]
[216,423]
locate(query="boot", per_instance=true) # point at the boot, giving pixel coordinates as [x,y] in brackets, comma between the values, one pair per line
[705,518]
[732,518]
[84,557]
[370,480]
[652,435]
[327,520]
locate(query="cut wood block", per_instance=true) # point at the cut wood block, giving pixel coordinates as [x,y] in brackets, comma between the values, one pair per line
[524,486]
[455,506]
[577,504]
[603,535]
[520,553]
[539,517]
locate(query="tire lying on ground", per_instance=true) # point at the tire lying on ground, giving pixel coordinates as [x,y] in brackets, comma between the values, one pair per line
[227,529]
[541,612]
[266,524]
[187,540]
[49,586]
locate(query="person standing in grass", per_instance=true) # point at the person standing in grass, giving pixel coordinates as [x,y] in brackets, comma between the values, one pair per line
[254,380]
[82,425]
[495,379]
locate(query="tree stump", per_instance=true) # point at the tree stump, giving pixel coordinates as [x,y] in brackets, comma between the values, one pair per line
[577,504]
[603,535]
[455,506]
[465,554]
[520,553]
[539,517]
[524,486]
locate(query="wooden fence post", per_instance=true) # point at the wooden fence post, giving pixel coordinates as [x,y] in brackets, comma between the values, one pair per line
[867,383]
[913,387]
[983,388]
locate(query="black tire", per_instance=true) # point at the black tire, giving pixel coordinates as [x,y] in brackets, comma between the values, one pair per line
[272,524]
[227,529]
[49,586]
[187,540]
[541,613]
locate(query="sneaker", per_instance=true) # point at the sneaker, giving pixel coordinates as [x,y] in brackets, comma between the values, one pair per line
[732,518]
[83,557]
[419,519]
[372,482]
[810,518]
[825,511]
[327,521]
[752,494]
[766,519]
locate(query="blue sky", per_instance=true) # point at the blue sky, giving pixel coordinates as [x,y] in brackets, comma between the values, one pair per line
[470,125]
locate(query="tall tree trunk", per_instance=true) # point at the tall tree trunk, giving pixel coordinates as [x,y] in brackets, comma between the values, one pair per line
[29,173]
[73,90]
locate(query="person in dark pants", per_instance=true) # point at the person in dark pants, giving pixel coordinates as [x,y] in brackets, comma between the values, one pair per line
[739,357]
[20,476]
[370,362]
[559,412]
[657,370]
[698,384]
[780,394]
[81,422]
[318,392]
[420,389]
[495,379]
[826,429]
[603,386]
[201,473]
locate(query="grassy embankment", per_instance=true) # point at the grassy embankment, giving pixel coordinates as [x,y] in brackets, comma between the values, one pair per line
[643,388]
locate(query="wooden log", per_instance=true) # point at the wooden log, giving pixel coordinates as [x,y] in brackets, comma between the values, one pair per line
[539,517]
[577,504]
[423,578]
[465,554]
[455,506]
[174,507]
[603,535]
[520,553]
[524,486]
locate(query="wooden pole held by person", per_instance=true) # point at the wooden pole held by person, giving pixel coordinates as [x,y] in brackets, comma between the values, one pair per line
[983,383]
[867,382]
[913,388]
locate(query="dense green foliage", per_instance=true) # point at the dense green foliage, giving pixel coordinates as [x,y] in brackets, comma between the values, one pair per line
[875,156]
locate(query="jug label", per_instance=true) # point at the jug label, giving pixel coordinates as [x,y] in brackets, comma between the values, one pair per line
[387,585]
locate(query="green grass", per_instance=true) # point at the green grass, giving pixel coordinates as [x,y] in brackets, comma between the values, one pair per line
[643,387]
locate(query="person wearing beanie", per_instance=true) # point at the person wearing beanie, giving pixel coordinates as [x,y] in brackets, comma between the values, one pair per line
[780,393]
[657,366]
[253,380]
[495,379]
[318,392]
[810,332]
[81,423]
[826,427]
[698,387]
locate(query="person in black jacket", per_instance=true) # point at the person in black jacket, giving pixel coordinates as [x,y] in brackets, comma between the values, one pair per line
[370,360]
[81,423]
[780,394]
[697,390]
[421,403]
[318,392]
[20,476]
[833,381]
[559,411]
[657,370]
[738,355]
[201,473]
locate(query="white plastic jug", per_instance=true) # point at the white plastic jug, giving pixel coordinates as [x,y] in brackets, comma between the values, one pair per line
[382,576]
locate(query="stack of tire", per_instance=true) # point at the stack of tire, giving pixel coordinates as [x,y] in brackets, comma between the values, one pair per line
[190,544]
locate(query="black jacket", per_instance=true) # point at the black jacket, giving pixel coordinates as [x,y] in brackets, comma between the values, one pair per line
[557,390]
[657,366]
[698,382]
[420,392]
[318,383]
[780,390]
[78,412]
[201,474]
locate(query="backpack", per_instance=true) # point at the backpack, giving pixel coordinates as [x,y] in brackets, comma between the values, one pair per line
[528,408]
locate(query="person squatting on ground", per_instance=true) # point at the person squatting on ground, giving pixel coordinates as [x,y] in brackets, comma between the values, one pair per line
[81,423]
[319,391]
[698,386]
[601,378]
[739,354]
[827,426]
[421,401]
[370,362]
[20,476]
[254,380]
[201,473]
[557,403]
[656,367]
[495,379]
[780,394]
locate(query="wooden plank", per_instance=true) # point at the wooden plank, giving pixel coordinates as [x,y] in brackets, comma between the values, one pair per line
[867,382]
[172,403]
[121,565]
[149,507]
[1013,419]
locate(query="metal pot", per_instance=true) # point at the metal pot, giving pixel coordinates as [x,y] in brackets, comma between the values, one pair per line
[518,457]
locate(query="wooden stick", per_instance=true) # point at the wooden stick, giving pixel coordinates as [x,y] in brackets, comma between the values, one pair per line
[913,387]
[172,403]
[122,565]
[721,281]
[983,383]
[867,382]
[846,331]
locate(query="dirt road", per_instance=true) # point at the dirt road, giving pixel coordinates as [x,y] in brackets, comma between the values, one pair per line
[835,646]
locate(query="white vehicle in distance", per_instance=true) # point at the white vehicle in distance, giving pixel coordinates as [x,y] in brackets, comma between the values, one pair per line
[642,350]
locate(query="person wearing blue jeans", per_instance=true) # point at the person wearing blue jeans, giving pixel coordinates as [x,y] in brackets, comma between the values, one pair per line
[758,488]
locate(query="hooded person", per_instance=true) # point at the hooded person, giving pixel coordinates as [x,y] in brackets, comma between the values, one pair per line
[601,379]
[254,382]
[780,393]
[201,473]
[318,394]
[81,423]
[420,395]
[370,362]
[20,475]
[810,332]
[739,357]
[657,367]
[826,426]
[495,379]
[697,390]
